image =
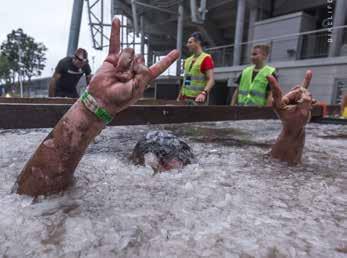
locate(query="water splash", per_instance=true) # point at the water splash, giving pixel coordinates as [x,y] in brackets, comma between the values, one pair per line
[233,202]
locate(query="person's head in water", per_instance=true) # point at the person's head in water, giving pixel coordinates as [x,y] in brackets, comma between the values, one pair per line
[80,58]
[195,43]
[259,55]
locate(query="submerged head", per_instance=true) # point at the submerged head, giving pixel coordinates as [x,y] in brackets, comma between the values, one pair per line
[162,151]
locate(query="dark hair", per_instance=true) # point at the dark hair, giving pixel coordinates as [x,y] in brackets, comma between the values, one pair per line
[264,48]
[83,51]
[198,37]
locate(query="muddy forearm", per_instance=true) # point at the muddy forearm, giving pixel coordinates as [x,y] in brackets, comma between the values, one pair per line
[289,146]
[51,167]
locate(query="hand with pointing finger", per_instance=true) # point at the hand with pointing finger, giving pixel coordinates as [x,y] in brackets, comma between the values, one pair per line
[294,110]
[119,82]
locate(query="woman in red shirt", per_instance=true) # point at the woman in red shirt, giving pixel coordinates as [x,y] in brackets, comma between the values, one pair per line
[194,45]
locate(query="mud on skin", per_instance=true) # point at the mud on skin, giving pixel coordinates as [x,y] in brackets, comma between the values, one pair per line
[294,110]
[118,83]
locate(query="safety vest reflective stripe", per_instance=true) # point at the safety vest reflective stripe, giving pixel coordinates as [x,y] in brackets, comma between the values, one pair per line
[249,103]
[195,78]
[258,94]
[243,92]
[193,88]
[253,93]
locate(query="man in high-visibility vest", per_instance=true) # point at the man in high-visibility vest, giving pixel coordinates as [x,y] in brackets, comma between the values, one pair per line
[254,89]
[198,72]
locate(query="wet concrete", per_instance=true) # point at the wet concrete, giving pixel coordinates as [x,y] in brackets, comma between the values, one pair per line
[234,201]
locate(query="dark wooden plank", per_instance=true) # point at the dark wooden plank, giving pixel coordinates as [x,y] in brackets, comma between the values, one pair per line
[38,100]
[333,110]
[72,100]
[16,116]
[329,120]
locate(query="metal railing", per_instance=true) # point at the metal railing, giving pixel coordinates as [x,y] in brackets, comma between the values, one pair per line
[299,46]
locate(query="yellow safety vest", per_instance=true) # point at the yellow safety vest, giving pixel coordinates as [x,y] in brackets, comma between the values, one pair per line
[253,93]
[344,113]
[194,80]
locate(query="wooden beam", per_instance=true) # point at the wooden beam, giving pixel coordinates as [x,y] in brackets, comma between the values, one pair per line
[37,100]
[331,109]
[329,121]
[72,100]
[19,116]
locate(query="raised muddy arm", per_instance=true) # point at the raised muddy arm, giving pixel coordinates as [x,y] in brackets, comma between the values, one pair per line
[119,82]
[294,110]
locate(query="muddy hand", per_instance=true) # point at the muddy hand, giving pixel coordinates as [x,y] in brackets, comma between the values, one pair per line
[120,81]
[293,108]
[123,77]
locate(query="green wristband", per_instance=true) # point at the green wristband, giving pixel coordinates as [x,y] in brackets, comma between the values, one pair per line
[91,104]
[103,115]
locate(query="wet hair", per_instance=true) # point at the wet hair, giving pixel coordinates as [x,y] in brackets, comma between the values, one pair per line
[198,37]
[264,48]
[83,51]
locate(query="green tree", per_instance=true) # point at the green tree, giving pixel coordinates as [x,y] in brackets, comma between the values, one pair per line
[25,56]
[5,70]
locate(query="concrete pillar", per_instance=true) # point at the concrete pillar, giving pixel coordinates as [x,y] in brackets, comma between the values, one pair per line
[134,13]
[179,37]
[150,56]
[339,16]
[240,19]
[112,11]
[142,31]
[75,26]
[252,19]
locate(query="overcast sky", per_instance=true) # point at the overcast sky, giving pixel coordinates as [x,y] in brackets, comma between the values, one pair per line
[48,22]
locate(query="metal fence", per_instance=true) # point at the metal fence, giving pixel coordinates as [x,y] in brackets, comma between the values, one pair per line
[305,45]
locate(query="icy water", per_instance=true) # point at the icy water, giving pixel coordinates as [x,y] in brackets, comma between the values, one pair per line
[233,202]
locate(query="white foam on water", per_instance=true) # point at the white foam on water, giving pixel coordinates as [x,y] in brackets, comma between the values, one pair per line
[233,202]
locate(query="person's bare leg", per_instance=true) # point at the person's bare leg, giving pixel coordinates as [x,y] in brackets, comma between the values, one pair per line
[294,110]
[119,82]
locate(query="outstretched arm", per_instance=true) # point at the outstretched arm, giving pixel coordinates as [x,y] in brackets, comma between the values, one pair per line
[234,98]
[52,84]
[202,97]
[294,110]
[118,83]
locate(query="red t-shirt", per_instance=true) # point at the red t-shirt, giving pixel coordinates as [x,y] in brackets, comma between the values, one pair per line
[207,64]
